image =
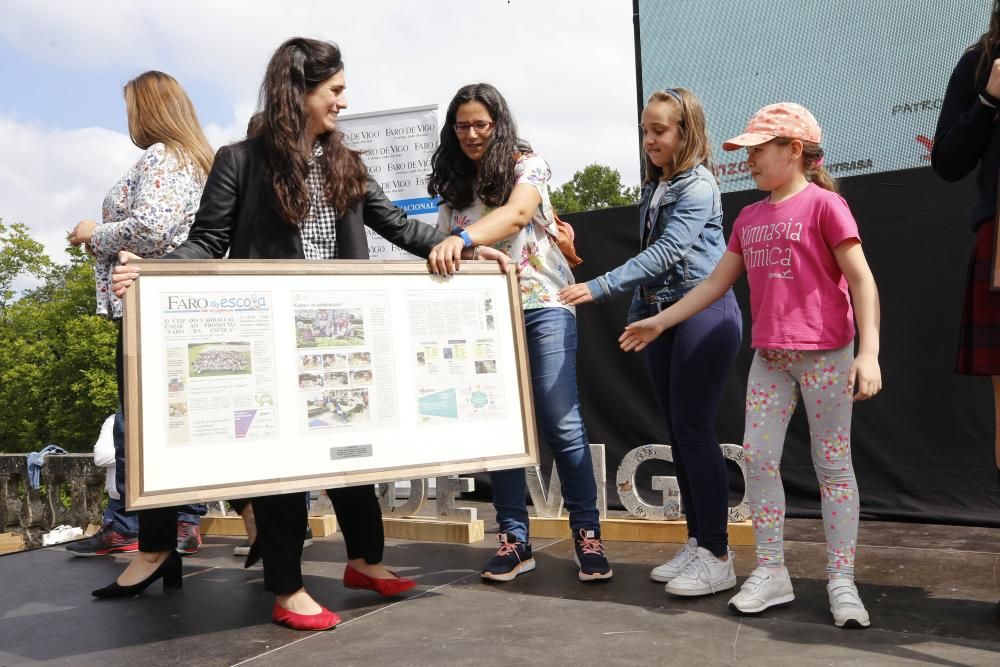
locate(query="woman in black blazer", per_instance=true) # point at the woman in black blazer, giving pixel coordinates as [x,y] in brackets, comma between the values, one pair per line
[291,190]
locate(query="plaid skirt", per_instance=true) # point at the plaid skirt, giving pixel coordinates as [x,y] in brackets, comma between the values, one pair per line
[979,339]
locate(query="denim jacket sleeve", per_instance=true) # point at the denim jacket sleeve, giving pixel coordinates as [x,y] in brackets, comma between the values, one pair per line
[691,212]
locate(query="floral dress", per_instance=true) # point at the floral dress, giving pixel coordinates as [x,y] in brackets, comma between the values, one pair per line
[148,212]
[544,270]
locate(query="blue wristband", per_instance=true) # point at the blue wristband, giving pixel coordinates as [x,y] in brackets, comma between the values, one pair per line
[464,235]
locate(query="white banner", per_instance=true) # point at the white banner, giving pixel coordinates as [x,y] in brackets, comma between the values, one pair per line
[398,146]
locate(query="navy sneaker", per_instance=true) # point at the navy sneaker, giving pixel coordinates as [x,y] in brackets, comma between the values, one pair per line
[511,559]
[104,542]
[590,557]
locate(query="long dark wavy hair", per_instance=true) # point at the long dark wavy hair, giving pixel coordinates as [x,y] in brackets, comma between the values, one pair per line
[454,177]
[989,42]
[296,68]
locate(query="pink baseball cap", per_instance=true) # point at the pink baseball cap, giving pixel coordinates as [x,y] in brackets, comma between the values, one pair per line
[784,119]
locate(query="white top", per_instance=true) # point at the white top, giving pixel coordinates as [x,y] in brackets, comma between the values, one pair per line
[104,455]
[544,270]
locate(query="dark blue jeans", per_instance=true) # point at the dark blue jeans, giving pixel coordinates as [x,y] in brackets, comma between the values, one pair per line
[122,520]
[551,335]
[688,366]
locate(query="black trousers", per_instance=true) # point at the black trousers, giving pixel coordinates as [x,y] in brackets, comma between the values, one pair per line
[281,528]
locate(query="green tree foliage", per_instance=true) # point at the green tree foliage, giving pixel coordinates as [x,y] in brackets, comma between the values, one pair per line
[57,377]
[593,187]
[19,255]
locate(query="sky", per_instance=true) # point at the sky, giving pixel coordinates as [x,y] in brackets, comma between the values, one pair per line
[566,67]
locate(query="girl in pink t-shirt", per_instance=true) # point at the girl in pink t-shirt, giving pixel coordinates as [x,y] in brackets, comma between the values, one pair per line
[802,254]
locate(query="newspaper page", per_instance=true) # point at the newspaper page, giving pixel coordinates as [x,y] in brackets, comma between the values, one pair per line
[346,376]
[219,363]
[456,366]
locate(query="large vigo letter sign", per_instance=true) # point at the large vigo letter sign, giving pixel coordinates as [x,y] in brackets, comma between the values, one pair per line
[670,509]
[549,502]
[548,499]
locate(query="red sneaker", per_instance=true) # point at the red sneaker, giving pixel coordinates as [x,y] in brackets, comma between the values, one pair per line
[324,620]
[385,587]
[188,538]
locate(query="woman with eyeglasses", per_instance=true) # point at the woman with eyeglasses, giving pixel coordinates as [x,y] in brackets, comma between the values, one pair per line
[494,193]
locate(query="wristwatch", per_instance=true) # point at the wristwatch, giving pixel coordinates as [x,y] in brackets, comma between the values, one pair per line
[464,235]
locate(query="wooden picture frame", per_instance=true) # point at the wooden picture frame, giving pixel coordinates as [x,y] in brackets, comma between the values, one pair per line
[246,378]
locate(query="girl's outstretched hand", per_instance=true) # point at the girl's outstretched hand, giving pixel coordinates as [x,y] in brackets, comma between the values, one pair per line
[574,295]
[866,376]
[124,274]
[640,334]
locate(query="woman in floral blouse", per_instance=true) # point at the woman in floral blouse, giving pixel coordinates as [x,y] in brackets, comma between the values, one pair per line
[494,191]
[148,212]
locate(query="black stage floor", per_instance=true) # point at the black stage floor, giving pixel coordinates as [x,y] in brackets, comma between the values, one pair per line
[931,592]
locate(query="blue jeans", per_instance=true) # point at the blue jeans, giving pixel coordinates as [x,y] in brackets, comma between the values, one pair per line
[121,520]
[551,335]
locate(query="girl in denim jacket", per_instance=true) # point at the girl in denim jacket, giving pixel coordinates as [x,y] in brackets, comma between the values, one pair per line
[680,230]
[802,254]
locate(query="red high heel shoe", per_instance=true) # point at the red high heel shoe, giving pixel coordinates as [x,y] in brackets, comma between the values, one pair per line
[385,587]
[325,620]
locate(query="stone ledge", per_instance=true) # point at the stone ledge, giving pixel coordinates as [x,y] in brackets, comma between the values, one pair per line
[30,514]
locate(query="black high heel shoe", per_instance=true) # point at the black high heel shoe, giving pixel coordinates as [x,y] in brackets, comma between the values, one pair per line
[253,555]
[169,570]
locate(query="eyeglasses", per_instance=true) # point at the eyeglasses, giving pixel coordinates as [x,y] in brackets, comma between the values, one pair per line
[480,126]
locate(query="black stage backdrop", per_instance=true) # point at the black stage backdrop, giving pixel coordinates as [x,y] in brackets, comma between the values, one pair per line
[922,449]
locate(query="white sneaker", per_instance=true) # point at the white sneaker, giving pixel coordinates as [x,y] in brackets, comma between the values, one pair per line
[703,575]
[674,566]
[61,534]
[765,587]
[845,604]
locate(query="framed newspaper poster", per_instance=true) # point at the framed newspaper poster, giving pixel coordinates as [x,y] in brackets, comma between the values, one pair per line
[247,378]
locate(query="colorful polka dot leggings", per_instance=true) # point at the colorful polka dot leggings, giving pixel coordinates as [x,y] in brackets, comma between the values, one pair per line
[776,379]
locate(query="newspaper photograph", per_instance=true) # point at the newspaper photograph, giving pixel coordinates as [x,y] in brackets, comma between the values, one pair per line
[343,344]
